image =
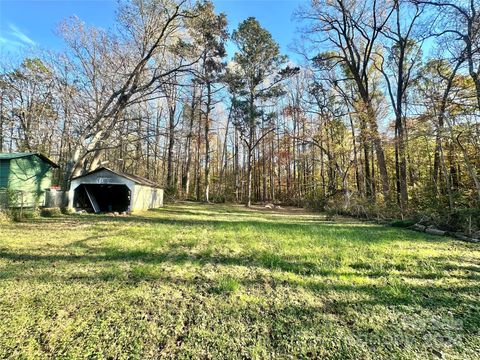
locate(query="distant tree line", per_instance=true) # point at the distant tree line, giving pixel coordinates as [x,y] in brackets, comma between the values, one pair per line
[380,119]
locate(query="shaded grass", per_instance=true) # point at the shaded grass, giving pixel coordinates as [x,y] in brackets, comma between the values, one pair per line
[226,282]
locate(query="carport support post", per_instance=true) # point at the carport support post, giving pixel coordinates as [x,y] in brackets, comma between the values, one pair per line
[71,194]
[133,194]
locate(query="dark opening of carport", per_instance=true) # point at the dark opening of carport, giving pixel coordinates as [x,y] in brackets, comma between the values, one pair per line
[102,197]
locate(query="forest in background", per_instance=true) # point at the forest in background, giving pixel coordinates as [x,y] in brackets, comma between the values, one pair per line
[380,120]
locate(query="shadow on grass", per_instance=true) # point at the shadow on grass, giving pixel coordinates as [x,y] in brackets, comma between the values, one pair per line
[329,283]
[340,235]
[173,254]
[320,278]
[297,295]
[340,232]
[339,295]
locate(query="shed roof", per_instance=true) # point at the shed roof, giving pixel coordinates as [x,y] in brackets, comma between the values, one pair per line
[135,178]
[18,155]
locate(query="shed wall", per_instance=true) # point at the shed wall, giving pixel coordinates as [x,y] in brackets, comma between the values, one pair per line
[145,197]
[30,175]
[4,172]
[103,177]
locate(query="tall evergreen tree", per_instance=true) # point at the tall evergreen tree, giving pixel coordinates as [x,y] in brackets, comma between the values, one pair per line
[257,69]
[209,32]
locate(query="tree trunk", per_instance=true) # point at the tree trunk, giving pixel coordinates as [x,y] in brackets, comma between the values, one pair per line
[189,143]
[236,168]
[377,142]
[171,143]
[249,177]
[207,142]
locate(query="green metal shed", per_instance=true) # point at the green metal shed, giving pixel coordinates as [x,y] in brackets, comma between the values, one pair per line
[24,177]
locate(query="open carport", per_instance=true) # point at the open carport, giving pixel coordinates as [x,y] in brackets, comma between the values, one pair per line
[106,190]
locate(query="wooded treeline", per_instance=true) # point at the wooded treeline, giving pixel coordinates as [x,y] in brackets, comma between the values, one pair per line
[381,117]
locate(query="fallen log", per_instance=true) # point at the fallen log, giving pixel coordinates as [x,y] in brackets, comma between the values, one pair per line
[434,231]
[418,227]
[463,237]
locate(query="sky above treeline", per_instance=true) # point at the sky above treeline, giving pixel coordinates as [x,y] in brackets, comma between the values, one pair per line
[32,23]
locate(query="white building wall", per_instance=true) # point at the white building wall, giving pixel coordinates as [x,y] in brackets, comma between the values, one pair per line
[146,197]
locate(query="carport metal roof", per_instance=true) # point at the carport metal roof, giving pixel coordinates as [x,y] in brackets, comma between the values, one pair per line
[136,179]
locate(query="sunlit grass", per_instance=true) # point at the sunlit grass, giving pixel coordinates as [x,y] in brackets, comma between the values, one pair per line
[214,281]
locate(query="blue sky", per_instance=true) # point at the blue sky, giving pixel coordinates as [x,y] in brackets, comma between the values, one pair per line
[26,23]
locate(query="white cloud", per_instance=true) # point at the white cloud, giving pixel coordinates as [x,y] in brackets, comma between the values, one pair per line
[9,43]
[16,32]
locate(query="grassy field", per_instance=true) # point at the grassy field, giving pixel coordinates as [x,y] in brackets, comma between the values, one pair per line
[210,281]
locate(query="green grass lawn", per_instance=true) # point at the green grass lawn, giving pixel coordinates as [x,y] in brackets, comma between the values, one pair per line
[211,281]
